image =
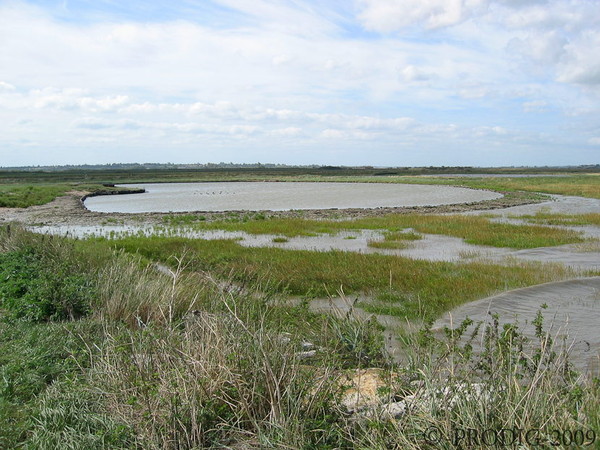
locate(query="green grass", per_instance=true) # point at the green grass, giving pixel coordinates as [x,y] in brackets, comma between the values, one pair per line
[581,185]
[547,218]
[401,236]
[395,240]
[388,245]
[473,229]
[38,286]
[19,195]
[22,196]
[438,285]
[32,358]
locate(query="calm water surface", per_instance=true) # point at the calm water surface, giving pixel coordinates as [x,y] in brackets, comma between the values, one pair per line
[259,196]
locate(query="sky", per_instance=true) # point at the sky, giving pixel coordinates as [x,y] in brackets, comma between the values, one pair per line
[337,82]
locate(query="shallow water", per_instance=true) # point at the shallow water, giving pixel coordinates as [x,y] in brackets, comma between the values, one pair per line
[573,313]
[430,247]
[260,196]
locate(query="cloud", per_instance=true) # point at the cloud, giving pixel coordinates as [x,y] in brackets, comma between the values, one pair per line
[411,73]
[243,77]
[535,106]
[542,47]
[594,140]
[6,86]
[288,132]
[92,123]
[331,133]
[557,37]
[76,99]
[583,66]
[391,15]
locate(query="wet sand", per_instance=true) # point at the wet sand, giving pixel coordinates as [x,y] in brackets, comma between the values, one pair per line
[572,316]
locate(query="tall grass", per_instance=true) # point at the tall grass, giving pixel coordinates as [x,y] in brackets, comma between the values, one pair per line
[136,293]
[183,362]
[221,379]
[460,398]
[175,359]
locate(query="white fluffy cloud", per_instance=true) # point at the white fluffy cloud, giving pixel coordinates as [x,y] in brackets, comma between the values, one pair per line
[556,37]
[391,15]
[384,79]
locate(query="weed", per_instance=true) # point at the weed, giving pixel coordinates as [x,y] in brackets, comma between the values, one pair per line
[38,285]
[392,245]
[32,358]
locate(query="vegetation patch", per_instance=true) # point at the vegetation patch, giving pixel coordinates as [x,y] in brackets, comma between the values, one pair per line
[394,240]
[473,229]
[547,218]
[32,358]
[19,195]
[439,286]
[390,245]
[170,357]
[37,285]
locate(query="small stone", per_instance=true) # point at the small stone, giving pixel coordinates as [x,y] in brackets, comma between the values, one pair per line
[306,355]
[307,345]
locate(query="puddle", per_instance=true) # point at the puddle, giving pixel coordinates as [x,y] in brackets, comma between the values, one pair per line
[573,313]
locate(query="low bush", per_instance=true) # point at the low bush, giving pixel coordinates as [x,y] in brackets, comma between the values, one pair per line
[35,286]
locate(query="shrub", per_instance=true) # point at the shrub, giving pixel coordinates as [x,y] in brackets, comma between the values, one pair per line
[37,285]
